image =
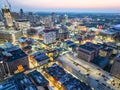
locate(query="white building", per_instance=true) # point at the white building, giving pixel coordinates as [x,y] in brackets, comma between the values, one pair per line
[49,36]
[23,24]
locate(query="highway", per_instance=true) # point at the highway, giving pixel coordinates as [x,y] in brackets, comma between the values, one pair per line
[94,71]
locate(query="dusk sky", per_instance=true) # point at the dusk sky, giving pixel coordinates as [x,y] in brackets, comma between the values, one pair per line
[65,5]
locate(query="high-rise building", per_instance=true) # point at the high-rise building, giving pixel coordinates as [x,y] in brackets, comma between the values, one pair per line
[21,13]
[31,17]
[115,70]
[54,17]
[8,18]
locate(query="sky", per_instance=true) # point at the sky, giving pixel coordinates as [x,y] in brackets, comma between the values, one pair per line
[65,5]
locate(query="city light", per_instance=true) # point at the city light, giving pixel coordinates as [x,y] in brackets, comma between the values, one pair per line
[60,45]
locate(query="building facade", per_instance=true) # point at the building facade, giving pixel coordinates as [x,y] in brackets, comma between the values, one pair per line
[49,36]
[115,67]
[8,18]
[13,58]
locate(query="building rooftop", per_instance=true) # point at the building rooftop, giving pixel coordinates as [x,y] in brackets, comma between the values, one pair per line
[107,49]
[9,31]
[92,45]
[19,82]
[8,85]
[16,54]
[75,84]
[67,80]
[87,47]
[40,56]
[49,30]
[117,26]
[69,42]
[22,20]
[11,53]
[68,59]
[112,31]
[101,61]
[38,78]
[55,71]
[118,56]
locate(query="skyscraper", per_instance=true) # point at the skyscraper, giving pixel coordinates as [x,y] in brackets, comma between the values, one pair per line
[7,18]
[21,13]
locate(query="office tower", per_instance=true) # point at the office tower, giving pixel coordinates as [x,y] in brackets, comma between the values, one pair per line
[21,13]
[31,17]
[54,17]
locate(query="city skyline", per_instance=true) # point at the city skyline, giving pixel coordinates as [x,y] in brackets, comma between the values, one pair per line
[59,45]
[65,6]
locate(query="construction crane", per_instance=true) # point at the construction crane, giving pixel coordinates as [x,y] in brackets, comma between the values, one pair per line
[8,4]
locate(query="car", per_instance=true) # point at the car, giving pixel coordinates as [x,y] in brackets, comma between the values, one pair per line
[103,75]
[99,73]
[98,69]
[97,80]
[105,79]
[103,84]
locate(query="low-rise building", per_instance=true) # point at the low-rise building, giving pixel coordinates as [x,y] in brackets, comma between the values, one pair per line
[88,73]
[62,32]
[70,45]
[18,82]
[13,58]
[86,53]
[8,85]
[39,79]
[38,59]
[64,80]
[115,67]
[105,52]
